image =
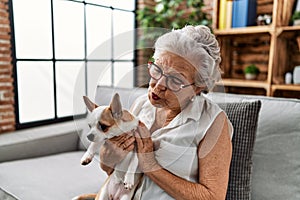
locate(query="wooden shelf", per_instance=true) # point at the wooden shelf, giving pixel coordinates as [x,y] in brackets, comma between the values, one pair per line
[273,48]
[244,83]
[287,29]
[287,87]
[244,30]
[290,28]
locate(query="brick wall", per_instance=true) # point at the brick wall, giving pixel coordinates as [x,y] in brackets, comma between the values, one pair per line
[7,116]
[143,55]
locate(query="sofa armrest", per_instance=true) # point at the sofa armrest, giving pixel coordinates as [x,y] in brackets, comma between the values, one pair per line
[39,141]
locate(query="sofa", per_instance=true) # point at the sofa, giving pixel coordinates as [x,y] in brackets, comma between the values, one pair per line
[44,162]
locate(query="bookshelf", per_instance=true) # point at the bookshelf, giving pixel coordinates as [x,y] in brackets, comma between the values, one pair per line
[245,30]
[273,48]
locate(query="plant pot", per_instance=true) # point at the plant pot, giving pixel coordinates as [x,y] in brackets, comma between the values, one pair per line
[250,76]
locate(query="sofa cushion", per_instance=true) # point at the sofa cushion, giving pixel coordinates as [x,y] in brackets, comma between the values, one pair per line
[39,141]
[277,151]
[6,196]
[127,96]
[51,177]
[276,155]
[244,117]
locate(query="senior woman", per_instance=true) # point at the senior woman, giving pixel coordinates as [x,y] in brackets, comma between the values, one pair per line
[184,143]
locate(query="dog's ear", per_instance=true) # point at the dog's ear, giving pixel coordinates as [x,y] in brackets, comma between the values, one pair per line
[89,104]
[116,107]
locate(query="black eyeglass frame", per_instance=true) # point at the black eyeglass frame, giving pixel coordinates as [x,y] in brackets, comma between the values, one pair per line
[181,86]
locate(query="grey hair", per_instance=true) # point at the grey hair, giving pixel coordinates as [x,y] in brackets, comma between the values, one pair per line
[199,47]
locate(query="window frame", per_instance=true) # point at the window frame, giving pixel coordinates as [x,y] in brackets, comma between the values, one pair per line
[57,119]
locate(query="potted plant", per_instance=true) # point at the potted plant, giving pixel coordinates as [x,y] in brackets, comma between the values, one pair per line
[164,15]
[251,72]
[296,18]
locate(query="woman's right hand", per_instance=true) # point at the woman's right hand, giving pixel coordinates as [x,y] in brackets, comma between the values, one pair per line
[114,150]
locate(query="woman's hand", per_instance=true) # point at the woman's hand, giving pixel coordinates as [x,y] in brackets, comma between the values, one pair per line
[147,161]
[114,150]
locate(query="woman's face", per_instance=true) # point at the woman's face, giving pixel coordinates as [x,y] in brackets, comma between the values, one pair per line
[159,93]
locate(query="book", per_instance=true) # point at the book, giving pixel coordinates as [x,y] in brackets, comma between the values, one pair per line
[244,13]
[225,14]
[229,13]
[222,14]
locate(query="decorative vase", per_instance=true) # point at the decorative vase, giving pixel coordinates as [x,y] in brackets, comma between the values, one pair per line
[296,75]
[250,76]
[288,78]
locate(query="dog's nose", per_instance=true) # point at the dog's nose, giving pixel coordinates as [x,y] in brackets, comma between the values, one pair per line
[91,137]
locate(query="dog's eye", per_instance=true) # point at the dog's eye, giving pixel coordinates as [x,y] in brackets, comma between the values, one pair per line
[102,127]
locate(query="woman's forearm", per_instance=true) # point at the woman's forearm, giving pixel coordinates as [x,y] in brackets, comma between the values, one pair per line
[180,188]
[177,187]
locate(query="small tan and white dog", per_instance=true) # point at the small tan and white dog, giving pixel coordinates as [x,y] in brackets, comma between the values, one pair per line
[106,122]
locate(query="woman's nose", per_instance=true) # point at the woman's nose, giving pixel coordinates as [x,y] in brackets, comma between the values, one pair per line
[161,83]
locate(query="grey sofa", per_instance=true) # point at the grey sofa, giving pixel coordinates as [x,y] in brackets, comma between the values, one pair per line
[44,162]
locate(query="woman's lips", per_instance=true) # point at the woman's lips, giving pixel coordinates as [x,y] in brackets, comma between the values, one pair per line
[155,97]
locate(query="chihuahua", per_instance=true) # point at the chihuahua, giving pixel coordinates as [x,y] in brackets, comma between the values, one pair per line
[106,122]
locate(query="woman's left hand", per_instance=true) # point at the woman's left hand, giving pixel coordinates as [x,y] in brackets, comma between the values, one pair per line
[147,161]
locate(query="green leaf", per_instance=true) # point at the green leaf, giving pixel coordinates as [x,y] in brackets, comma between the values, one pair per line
[165,14]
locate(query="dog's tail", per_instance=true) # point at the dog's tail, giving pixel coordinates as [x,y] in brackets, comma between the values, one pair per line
[85,197]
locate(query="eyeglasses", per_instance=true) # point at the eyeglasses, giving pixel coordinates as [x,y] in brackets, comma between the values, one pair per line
[173,83]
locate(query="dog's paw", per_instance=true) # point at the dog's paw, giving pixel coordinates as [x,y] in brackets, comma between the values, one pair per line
[128,186]
[86,159]
[128,181]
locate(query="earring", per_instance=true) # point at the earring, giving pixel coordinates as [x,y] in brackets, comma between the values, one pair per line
[192,99]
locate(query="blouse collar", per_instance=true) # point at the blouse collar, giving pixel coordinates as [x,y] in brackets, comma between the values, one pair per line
[192,111]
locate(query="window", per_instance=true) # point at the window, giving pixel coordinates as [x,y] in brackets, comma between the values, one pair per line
[63,49]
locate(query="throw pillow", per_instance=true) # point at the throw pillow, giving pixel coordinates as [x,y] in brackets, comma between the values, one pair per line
[244,117]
